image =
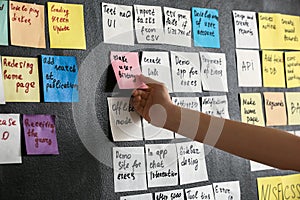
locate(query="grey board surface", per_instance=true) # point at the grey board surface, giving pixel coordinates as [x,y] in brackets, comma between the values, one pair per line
[83,168]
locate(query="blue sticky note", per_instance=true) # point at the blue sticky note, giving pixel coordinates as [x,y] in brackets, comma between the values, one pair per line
[205,27]
[60,82]
[3,23]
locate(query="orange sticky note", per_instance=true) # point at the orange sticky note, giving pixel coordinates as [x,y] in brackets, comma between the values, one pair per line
[27,24]
[20,79]
[66,26]
[275,109]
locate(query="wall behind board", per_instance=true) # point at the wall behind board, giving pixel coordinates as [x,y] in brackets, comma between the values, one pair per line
[83,170]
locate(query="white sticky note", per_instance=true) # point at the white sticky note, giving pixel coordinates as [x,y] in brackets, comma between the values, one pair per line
[10,139]
[172,194]
[203,192]
[213,71]
[148,24]
[227,190]
[248,68]
[191,162]
[192,103]
[186,72]
[156,65]
[245,28]
[297,133]
[129,169]
[125,123]
[178,27]
[256,166]
[147,196]
[2,97]
[156,133]
[117,23]
[216,106]
[161,165]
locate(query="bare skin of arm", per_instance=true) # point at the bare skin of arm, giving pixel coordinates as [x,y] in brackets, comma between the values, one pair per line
[265,145]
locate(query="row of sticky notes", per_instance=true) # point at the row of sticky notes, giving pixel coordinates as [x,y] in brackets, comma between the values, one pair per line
[19,79]
[216,191]
[280,108]
[180,71]
[276,69]
[126,124]
[27,25]
[165,165]
[279,187]
[39,132]
[274,30]
[151,25]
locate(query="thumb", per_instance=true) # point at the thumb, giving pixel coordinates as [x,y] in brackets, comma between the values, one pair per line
[147,80]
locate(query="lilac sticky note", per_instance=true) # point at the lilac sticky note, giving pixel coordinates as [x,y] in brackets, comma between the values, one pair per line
[40,134]
[126,66]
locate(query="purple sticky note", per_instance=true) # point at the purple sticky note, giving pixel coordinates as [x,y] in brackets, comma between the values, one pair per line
[40,134]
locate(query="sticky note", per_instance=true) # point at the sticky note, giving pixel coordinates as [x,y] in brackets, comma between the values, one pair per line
[10,142]
[202,192]
[147,196]
[66,26]
[292,69]
[178,27]
[156,65]
[245,29]
[125,123]
[290,183]
[60,78]
[161,162]
[192,103]
[273,69]
[216,106]
[156,133]
[191,162]
[293,107]
[40,134]
[270,188]
[248,65]
[3,23]
[275,109]
[251,109]
[126,66]
[213,71]
[148,24]
[117,24]
[297,133]
[20,79]
[270,32]
[2,97]
[186,72]
[205,27]
[28,19]
[172,194]
[129,169]
[256,166]
[290,26]
[227,190]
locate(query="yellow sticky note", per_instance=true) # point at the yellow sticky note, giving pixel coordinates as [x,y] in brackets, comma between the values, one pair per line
[20,79]
[251,109]
[275,109]
[291,186]
[273,69]
[270,188]
[66,26]
[293,107]
[290,26]
[270,31]
[27,24]
[292,69]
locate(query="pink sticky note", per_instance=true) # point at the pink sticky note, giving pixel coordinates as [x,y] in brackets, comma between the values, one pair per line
[126,66]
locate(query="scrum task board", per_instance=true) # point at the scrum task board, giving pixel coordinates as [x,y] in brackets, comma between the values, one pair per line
[84,167]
